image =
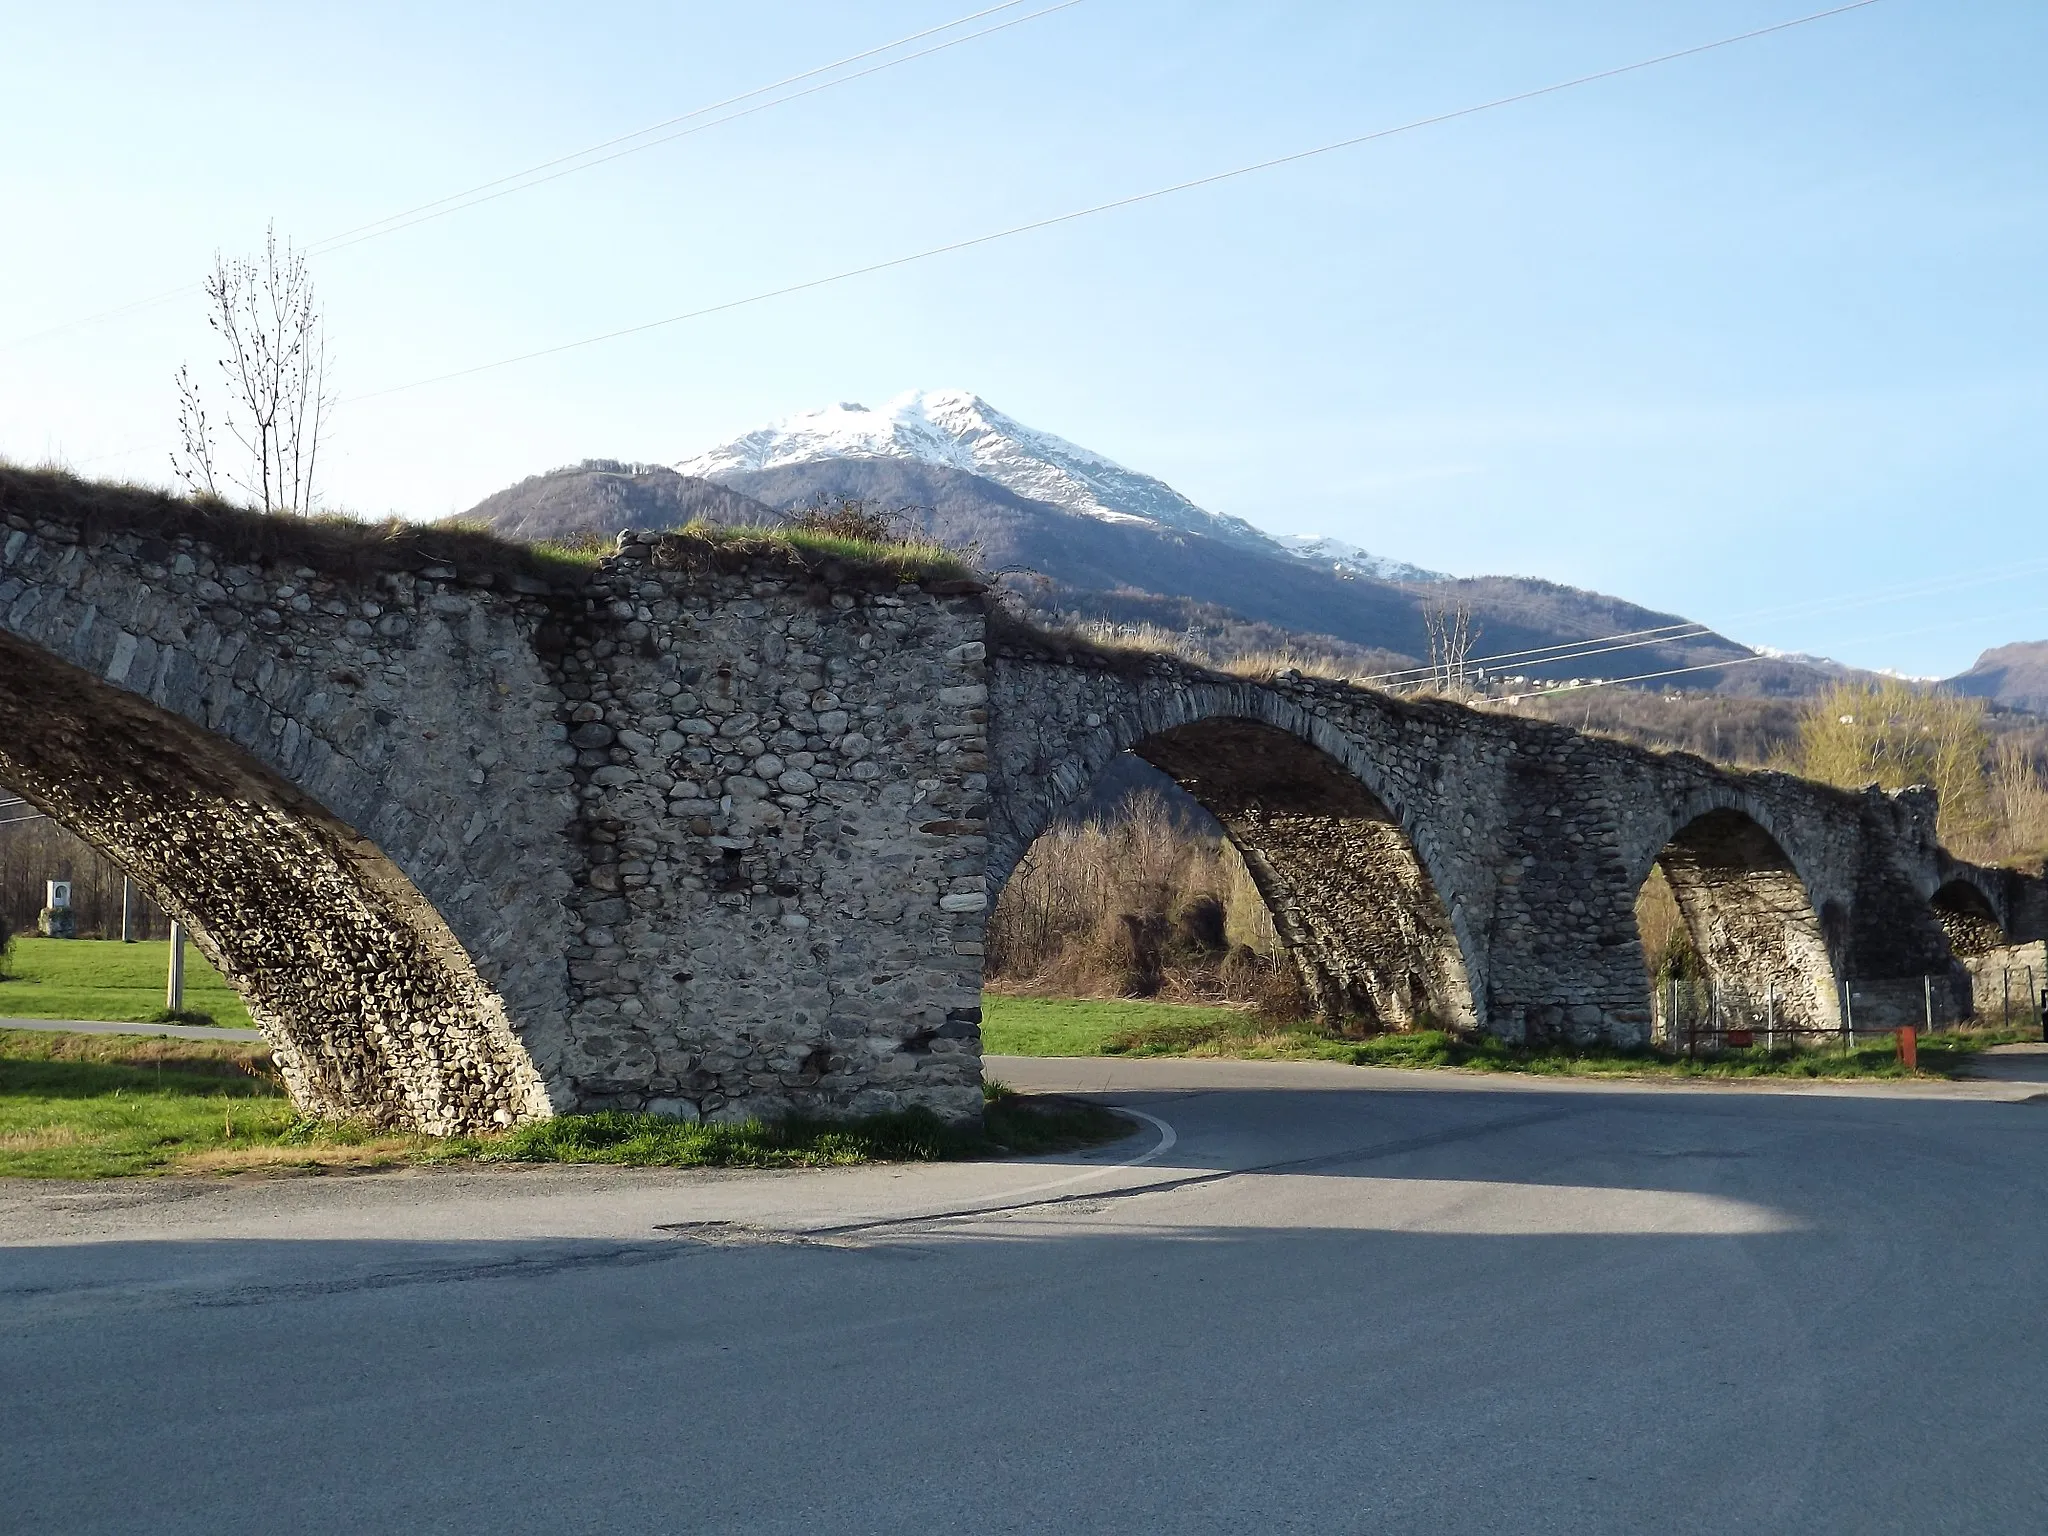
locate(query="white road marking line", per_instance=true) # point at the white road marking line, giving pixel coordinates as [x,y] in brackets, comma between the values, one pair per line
[1168,1137]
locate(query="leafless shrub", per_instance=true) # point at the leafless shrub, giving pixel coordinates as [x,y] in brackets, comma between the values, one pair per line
[1134,906]
[273,367]
[855,517]
[1452,636]
[32,852]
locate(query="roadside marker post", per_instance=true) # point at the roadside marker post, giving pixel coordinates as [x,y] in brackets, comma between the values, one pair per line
[1909,1049]
[174,988]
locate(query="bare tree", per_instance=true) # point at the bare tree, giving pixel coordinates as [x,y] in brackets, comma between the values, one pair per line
[273,368]
[1451,638]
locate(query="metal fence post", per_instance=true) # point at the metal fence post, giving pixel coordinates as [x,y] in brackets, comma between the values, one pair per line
[1771,1019]
[1927,993]
[174,989]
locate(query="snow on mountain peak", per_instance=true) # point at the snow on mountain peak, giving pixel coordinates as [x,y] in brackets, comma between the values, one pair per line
[1353,560]
[959,430]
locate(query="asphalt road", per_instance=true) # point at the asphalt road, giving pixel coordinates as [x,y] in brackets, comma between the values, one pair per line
[1297,1298]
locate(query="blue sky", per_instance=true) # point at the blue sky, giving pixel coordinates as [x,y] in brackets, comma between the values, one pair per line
[1757,337]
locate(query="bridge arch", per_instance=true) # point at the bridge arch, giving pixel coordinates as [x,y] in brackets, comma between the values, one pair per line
[1350,874]
[1747,904]
[1969,916]
[375,1009]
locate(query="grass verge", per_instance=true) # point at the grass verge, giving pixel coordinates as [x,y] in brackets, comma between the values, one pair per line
[1034,1026]
[104,979]
[102,1106]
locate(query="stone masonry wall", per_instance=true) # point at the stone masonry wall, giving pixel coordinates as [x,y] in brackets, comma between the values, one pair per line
[782,779]
[1503,856]
[712,829]
[483,840]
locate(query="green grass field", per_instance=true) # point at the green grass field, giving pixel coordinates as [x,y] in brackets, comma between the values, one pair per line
[75,1106]
[93,1106]
[1055,1026]
[106,979]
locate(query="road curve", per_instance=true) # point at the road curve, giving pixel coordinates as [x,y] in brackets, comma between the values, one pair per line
[1296,1298]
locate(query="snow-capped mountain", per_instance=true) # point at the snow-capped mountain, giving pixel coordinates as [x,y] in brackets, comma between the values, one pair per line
[1352,560]
[959,430]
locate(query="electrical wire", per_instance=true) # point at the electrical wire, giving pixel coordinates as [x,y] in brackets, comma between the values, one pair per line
[1742,661]
[1115,203]
[501,186]
[465,200]
[1594,645]
[1537,655]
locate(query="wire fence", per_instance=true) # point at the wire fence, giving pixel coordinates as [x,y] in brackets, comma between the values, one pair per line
[1705,1016]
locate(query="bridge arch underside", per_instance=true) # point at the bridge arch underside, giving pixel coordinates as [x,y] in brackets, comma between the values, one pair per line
[1751,919]
[1350,898]
[1968,918]
[374,1010]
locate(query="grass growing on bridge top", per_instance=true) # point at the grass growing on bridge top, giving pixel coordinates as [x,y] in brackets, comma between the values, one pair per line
[337,544]
[902,556]
[75,1106]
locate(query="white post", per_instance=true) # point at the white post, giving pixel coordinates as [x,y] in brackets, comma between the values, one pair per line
[1771,1019]
[127,910]
[1927,991]
[174,991]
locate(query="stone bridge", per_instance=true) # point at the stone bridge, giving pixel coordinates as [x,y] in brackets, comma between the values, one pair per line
[712,826]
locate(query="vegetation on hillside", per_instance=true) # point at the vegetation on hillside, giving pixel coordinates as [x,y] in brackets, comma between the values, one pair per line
[1994,794]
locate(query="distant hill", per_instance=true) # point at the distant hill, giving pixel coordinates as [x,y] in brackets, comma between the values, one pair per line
[954,429]
[1085,537]
[2013,675]
[1304,595]
[605,496]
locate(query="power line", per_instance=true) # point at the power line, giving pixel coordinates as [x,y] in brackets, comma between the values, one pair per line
[1537,656]
[1594,645]
[1742,661]
[502,186]
[472,199]
[16,821]
[1120,202]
